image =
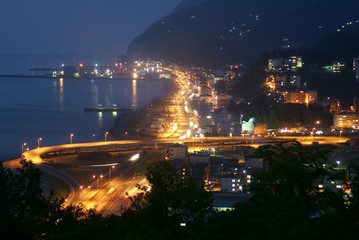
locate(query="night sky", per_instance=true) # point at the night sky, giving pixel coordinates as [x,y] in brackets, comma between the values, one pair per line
[83,27]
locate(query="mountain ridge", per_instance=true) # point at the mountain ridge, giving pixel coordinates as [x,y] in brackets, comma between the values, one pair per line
[195,35]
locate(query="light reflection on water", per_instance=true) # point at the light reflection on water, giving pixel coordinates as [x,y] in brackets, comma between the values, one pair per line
[52,109]
[134,93]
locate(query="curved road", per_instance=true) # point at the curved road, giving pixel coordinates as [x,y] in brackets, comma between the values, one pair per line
[36,155]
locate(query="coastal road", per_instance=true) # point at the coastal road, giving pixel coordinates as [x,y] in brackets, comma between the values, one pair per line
[108,195]
[37,155]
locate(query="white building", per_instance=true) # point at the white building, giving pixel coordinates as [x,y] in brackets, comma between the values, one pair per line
[177,151]
[231,184]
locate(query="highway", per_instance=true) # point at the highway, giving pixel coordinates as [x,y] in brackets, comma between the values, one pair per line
[36,155]
[108,193]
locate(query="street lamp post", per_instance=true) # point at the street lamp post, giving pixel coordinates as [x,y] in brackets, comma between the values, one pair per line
[71,136]
[338,162]
[110,170]
[97,179]
[313,134]
[22,147]
[339,135]
[106,133]
[38,142]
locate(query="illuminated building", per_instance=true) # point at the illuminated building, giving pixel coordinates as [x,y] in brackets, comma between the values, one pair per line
[346,120]
[260,129]
[333,104]
[295,81]
[248,127]
[255,128]
[300,97]
[231,184]
[275,64]
[291,64]
[336,67]
[177,151]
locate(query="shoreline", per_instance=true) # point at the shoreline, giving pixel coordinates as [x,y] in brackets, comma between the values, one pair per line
[12,142]
[129,124]
[66,77]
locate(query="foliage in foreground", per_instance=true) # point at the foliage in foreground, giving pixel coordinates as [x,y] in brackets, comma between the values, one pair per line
[285,205]
[26,213]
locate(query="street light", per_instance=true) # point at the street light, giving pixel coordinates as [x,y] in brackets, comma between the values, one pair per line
[340,136]
[338,162]
[97,179]
[313,131]
[38,142]
[106,133]
[109,171]
[71,136]
[22,147]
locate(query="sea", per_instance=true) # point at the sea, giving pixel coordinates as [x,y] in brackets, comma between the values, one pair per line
[36,112]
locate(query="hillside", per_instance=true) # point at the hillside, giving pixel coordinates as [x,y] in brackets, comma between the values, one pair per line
[225,31]
[340,46]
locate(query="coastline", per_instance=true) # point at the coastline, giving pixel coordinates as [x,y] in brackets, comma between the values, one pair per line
[67,77]
[54,100]
[127,122]
[131,125]
[131,121]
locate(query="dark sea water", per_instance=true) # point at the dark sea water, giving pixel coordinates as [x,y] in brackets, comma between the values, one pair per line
[52,109]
